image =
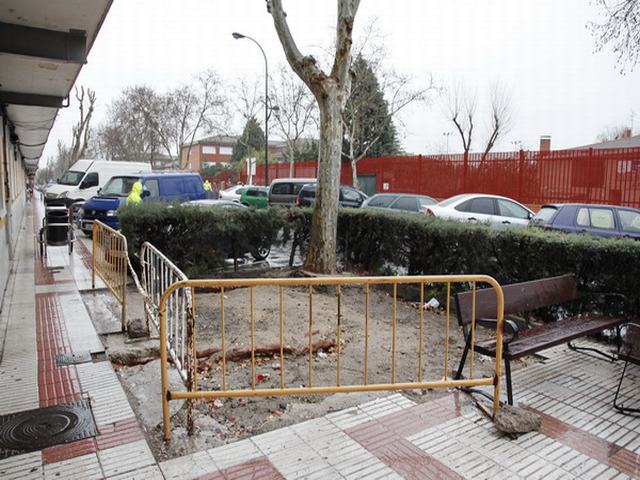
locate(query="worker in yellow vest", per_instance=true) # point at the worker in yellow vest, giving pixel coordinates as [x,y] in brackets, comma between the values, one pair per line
[135,196]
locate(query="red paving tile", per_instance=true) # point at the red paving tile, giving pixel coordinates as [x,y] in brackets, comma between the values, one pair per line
[258,469]
[59,453]
[60,384]
[605,452]
[385,437]
[85,255]
[120,433]
[56,384]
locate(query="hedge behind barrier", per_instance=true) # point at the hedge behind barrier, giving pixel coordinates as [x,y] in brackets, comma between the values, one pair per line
[199,240]
[374,239]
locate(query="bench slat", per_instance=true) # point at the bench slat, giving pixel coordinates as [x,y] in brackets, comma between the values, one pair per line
[518,297]
[551,334]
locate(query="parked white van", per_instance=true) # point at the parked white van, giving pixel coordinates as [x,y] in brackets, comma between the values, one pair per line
[85,177]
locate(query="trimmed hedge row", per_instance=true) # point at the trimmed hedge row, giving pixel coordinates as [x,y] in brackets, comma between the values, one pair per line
[199,240]
[376,241]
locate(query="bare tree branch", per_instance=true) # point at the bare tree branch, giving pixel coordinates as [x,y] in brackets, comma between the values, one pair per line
[501,120]
[620,30]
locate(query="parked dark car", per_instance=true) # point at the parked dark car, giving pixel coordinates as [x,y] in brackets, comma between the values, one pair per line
[601,220]
[400,201]
[349,196]
[157,187]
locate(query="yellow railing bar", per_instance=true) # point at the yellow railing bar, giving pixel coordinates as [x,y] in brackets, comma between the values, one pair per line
[281,337]
[338,337]
[446,332]
[473,327]
[366,336]
[224,351]
[253,340]
[269,392]
[310,382]
[421,335]
[393,333]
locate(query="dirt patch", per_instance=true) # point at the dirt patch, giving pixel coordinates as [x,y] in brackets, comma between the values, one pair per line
[392,355]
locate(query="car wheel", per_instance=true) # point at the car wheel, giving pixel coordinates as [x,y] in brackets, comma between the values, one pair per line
[244,203]
[261,253]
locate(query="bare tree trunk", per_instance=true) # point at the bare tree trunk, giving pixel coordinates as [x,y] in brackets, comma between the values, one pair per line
[291,159]
[354,173]
[331,92]
[321,256]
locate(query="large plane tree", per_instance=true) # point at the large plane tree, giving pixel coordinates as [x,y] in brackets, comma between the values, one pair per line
[331,90]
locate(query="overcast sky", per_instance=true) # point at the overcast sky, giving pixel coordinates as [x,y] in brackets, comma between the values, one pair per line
[541,49]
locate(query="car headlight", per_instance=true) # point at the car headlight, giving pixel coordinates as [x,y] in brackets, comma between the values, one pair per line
[111,213]
[64,194]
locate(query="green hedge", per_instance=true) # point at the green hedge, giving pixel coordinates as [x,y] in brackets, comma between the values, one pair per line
[379,241]
[197,239]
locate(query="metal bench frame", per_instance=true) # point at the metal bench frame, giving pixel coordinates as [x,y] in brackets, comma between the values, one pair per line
[630,352]
[526,297]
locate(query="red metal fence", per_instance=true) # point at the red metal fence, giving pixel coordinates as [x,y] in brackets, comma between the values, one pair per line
[534,178]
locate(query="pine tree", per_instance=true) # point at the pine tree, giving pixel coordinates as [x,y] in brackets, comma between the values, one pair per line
[252,138]
[369,129]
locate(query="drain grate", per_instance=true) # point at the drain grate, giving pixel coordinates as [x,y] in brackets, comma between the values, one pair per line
[44,427]
[73,358]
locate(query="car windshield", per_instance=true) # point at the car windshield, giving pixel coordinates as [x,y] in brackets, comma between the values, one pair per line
[544,215]
[71,177]
[119,186]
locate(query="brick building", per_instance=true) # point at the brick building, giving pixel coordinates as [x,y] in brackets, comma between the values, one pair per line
[216,149]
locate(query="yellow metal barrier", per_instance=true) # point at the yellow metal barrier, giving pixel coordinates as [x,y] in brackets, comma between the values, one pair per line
[309,284]
[110,263]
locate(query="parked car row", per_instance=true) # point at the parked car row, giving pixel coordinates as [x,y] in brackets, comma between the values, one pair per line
[104,187]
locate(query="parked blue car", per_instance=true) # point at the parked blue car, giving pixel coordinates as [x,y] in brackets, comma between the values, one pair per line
[601,220]
[167,187]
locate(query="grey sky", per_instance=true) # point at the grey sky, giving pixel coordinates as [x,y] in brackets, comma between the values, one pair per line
[540,49]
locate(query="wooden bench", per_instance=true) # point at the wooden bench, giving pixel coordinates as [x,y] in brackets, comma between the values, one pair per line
[526,297]
[629,352]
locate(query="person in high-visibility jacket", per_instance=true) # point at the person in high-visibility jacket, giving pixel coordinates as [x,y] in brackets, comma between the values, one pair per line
[135,196]
[207,186]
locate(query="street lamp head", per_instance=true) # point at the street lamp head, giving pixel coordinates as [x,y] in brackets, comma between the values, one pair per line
[237,35]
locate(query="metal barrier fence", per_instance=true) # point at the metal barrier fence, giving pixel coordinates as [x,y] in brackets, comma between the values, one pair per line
[110,260]
[168,303]
[158,274]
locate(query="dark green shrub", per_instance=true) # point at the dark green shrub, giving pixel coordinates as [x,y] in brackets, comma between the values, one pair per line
[199,240]
[375,240]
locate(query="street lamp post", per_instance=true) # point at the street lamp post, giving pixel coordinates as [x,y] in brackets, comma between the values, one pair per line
[447,135]
[238,36]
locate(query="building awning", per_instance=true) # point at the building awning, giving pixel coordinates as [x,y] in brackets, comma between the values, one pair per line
[43,46]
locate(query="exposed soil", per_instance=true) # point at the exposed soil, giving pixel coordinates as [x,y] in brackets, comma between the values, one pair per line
[226,420]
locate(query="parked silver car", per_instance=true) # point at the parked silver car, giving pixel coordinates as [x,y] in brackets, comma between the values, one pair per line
[404,202]
[498,212]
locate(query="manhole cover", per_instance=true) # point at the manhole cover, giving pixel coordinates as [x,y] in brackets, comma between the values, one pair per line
[45,427]
[73,358]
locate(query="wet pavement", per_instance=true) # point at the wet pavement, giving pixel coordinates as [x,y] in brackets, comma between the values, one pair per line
[43,316]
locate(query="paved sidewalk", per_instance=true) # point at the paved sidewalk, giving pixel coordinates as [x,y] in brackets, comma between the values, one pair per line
[582,436]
